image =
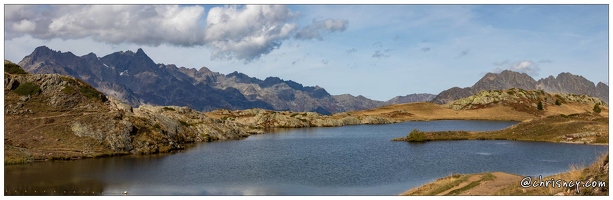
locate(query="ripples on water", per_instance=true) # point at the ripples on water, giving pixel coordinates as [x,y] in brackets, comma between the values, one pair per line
[350,160]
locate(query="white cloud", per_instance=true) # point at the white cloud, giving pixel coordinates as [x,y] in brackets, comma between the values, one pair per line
[247,33]
[114,24]
[231,32]
[24,26]
[319,27]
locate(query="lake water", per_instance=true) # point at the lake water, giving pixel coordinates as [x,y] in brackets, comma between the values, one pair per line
[350,160]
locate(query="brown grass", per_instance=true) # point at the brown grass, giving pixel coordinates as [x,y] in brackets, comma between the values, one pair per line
[594,172]
[550,129]
[500,183]
[424,111]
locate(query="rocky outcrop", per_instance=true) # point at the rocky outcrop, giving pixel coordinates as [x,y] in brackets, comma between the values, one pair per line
[261,119]
[519,98]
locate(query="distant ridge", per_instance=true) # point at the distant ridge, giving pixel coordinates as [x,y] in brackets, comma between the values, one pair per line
[563,83]
[136,79]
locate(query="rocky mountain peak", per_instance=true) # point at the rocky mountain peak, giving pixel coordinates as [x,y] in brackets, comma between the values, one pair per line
[563,83]
[135,78]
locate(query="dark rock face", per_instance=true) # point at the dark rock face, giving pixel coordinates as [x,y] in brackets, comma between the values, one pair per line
[136,79]
[563,83]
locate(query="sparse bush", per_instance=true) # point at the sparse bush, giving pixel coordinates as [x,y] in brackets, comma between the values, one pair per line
[91,93]
[416,136]
[168,108]
[13,68]
[539,105]
[558,102]
[597,108]
[68,90]
[28,88]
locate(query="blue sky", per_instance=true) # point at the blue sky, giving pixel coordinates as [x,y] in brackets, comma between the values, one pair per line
[378,51]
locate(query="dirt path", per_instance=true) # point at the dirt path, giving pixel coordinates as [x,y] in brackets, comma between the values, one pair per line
[486,184]
[490,187]
[470,179]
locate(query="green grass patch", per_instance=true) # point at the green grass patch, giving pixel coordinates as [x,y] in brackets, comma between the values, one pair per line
[68,90]
[416,136]
[28,88]
[91,93]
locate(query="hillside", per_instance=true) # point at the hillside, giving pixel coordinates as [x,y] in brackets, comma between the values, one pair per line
[563,117]
[512,104]
[50,116]
[563,83]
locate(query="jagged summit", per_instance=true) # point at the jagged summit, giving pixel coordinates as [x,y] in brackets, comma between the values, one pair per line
[563,83]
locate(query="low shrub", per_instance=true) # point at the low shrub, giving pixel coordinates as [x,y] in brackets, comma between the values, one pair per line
[416,136]
[91,93]
[27,88]
[597,108]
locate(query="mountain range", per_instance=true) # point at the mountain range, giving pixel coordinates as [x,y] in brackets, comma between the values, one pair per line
[136,79]
[563,83]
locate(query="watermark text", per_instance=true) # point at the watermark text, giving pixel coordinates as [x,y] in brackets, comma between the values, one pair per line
[528,181]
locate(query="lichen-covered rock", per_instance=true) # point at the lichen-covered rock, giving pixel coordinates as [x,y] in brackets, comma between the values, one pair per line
[486,98]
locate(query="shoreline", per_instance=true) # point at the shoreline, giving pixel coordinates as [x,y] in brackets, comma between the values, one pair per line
[502,183]
[240,124]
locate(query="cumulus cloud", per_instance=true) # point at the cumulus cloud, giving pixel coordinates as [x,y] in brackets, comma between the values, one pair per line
[319,27]
[24,26]
[525,66]
[146,25]
[231,32]
[249,32]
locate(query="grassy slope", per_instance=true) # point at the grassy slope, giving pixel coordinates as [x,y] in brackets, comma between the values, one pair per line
[424,111]
[500,183]
[46,131]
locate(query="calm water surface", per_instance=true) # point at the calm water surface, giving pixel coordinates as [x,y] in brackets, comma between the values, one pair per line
[350,160]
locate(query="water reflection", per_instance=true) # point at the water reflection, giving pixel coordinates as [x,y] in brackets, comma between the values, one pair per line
[352,160]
